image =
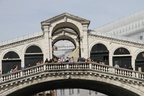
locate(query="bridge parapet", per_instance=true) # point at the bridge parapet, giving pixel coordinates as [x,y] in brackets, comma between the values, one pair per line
[72,67]
[124,78]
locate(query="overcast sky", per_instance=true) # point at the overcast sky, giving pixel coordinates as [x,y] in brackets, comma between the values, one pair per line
[22,17]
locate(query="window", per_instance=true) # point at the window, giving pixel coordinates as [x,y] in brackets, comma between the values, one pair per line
[121,51]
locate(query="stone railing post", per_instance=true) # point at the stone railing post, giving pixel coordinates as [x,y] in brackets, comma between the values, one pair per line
[21,73]
[67,66]
[1,79]
[111,70]
[136,75]
[44,67]
[90,66]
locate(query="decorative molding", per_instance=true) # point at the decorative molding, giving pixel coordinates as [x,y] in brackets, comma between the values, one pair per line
[61,16]
[118,41]
[22,42]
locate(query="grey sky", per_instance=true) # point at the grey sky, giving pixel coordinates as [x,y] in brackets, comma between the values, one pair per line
[21,17]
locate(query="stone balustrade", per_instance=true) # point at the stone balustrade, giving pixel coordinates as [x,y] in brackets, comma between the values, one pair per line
[52,67]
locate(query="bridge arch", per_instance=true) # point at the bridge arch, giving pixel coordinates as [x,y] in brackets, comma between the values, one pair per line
[122,57]
[91,82]
[33,54]
[100,53]
[103,78]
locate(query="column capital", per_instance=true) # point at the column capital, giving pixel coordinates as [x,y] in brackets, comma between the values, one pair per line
[45,25]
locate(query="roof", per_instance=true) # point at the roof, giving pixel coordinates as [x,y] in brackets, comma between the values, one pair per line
[121,22]
[82,20]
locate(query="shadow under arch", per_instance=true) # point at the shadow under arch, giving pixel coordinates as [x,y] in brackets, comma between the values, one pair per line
[108,89]
[66,25]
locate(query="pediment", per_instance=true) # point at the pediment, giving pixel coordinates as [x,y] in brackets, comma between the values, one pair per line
[66,15]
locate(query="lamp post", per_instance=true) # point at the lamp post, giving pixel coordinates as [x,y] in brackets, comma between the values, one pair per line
[79,39]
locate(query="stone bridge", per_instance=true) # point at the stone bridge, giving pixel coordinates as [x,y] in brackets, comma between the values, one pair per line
[102,78]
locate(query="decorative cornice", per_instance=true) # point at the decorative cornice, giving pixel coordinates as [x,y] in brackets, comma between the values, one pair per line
[66,15]
[118,40]
[13,44]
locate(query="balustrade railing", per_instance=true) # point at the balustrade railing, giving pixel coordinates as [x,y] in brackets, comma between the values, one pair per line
[77,66]
[28,36]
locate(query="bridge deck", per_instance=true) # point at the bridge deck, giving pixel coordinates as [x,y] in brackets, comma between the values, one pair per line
[52,67]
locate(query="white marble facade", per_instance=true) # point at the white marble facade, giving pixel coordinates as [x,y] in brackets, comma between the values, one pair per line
[126,32]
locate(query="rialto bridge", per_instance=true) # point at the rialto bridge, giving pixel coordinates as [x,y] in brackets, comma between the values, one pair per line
[110,49]
[102,78]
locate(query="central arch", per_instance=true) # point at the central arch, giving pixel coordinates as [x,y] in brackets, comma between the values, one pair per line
[106,88]
[67,31]
[63,21]
[66,25]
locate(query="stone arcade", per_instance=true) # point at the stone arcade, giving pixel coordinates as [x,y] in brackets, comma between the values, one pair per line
[111,43]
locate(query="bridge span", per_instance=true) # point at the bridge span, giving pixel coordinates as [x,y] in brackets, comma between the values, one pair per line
[102,78]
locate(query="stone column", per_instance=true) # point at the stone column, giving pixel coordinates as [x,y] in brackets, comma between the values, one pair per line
[133,62]
[46,42]
[22,59]
[110,59]
[50,47]
[110,54]
[84,42]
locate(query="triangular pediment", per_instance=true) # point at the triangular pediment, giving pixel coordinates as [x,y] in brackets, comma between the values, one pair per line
[67,15]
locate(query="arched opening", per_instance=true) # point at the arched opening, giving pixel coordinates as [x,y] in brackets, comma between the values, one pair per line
[65,25]
[33,55]
[10,61]
[99,53]
[139,62]
[63,42]
[63,48]
[122,58]
[64,37]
